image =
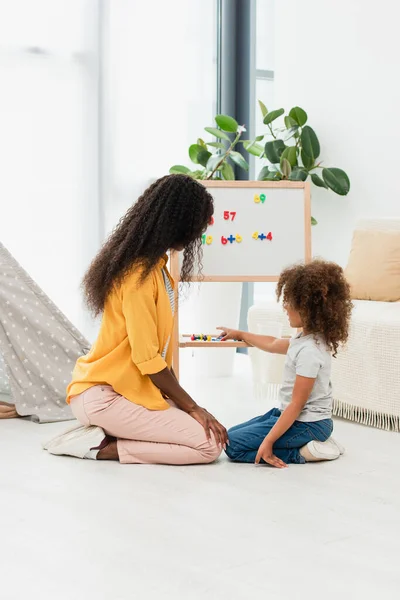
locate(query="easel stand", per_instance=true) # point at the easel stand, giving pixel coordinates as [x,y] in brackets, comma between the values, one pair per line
[259,228]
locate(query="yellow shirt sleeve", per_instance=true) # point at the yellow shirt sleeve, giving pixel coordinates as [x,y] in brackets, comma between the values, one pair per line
[139,309]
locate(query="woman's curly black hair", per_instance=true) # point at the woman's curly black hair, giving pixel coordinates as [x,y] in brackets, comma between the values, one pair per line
[320,293]
[171,214]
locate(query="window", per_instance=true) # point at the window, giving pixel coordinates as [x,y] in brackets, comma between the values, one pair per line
[264,58]
[264,75]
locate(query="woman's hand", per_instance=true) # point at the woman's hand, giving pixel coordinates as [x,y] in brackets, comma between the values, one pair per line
[229,334]
[210,424]
[265,452]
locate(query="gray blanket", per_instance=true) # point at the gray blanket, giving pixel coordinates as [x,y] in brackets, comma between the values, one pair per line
[38,346]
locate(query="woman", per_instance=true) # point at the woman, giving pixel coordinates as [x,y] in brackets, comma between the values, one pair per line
[124,392]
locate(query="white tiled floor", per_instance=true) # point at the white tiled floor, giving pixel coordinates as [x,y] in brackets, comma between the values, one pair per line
[81,530]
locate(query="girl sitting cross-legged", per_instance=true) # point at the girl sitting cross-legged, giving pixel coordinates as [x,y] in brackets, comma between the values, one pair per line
[317,300]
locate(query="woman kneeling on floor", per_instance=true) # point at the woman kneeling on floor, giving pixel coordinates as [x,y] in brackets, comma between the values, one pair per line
[124,392]
[316,298]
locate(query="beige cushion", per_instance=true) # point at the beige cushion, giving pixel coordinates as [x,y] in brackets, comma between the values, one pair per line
[373,270]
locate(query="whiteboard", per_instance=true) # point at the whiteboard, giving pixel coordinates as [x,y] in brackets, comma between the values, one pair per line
[259,229]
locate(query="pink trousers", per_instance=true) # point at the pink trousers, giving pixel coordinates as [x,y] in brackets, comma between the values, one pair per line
[170,437]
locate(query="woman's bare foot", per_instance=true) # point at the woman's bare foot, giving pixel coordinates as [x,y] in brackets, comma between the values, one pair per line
[110,452]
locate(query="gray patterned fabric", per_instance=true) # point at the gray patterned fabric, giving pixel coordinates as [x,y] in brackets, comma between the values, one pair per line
[38,346]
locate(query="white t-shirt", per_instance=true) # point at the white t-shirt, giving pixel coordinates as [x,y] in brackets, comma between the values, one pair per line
[309,356]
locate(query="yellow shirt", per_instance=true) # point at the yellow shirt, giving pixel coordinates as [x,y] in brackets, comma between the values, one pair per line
[136,326]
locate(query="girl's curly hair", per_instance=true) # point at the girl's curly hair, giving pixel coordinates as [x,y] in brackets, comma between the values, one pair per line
[320,293]
[171,214]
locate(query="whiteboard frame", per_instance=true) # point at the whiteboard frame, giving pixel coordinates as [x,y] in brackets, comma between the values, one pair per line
[304,185]
[175,266]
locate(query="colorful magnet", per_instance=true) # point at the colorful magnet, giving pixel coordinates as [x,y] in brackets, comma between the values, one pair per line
[269,237]
[255,235]
[257,199]
[262,198]
[239,238]
[209,240]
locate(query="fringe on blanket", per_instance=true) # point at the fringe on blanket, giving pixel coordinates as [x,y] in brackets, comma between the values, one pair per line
[366,416]
[343,410]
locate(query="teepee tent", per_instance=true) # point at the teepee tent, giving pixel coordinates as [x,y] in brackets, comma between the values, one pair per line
[38,347]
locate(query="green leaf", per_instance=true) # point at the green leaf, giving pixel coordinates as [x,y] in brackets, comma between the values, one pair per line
[309,142]
[216,145]
[227,172]
[226,123]
[263,174]
[337,180]
[291,154]
[203,157]
[316,179]
[264,109]
[259,138]
[194,151]
[293,132]
[274,114]
[197,174]
[217,133]
[202,143]
[307,161]
[290,123]
[239,160]
[273,150]
[299,116]
[285,167]
[269,174]
[314,221]
[213,162]
[179,169]
[253,148]
[298,174]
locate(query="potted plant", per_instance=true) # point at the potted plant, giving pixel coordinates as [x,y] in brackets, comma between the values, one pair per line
[289,151]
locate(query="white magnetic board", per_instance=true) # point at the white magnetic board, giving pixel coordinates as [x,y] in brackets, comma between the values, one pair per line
[259,229]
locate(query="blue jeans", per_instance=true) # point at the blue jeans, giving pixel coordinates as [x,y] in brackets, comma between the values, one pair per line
[246,438]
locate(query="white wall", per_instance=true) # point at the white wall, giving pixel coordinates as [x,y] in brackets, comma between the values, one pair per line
[48,144]
[339,60]
[160,88]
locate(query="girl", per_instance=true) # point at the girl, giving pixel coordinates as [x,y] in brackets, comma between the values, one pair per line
[124,392]
[316,298]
